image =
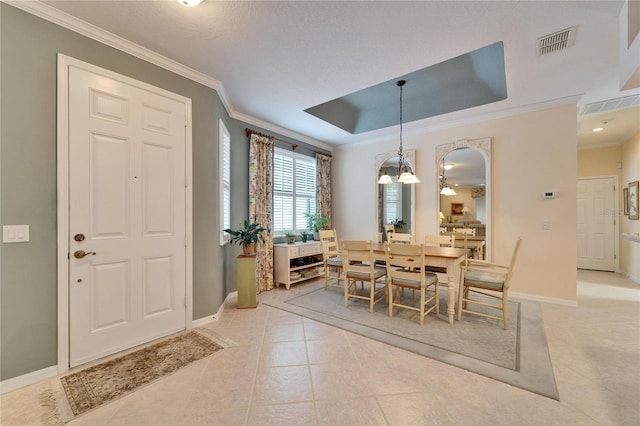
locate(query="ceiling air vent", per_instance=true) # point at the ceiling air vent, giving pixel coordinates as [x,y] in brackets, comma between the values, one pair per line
[559,40]
[611,105]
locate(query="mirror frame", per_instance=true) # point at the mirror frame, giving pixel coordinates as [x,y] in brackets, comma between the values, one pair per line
[410,157]
[483,146]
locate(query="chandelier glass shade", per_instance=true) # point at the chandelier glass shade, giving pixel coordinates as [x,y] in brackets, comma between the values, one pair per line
[445,189]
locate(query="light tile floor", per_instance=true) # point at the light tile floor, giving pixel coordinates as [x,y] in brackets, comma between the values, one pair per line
[288,370]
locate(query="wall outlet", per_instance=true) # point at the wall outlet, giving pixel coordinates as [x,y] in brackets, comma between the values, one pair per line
[545,225]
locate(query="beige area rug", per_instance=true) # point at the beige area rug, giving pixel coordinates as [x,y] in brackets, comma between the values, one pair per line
[518,356]
[107,381]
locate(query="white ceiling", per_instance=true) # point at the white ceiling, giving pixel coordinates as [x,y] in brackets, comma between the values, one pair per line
[274,59]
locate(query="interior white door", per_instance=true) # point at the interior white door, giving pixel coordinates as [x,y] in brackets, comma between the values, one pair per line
[127,211]
[596,224]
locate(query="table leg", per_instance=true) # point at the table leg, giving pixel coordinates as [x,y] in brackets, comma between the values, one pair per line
[451,297]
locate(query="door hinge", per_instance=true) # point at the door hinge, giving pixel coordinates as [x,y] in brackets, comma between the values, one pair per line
[185,241]
[186,182]
[615,256]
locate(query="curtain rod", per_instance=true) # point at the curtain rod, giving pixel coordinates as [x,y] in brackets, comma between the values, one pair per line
[250,132]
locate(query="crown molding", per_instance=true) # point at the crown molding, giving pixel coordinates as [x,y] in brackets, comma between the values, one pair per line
[63,19]
[282,131]
[91,31]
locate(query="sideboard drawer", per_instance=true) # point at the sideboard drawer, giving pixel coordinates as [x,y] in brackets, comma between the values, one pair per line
[294,252]
[308,249]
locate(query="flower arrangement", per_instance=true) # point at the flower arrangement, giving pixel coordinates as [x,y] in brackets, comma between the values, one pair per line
[398,224]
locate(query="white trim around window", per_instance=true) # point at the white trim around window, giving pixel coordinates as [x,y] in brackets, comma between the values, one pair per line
[224,181]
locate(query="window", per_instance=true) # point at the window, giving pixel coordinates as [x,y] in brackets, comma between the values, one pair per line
[294,190]
[224,181]
[392,194]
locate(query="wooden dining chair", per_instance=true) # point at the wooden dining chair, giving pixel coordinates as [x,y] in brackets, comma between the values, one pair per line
[406,269]
[462,239]
[400,238]
[491,282]
[388,229]
[469,231]
[358,265]
[331,256]
[446,240]
[442,240]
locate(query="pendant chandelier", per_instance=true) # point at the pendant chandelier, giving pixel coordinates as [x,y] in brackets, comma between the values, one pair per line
[405,173]
[445,189]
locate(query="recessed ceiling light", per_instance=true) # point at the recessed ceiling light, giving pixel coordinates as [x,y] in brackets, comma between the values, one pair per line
[598,129]
[190,3]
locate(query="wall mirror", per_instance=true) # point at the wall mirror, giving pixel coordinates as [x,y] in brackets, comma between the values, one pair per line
[464,191]
[397,200]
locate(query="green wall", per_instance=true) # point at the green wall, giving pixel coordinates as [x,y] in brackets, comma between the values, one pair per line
[28,277]
[28,287]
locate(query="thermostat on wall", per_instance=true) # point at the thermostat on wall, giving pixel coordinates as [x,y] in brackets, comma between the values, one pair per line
[550,194]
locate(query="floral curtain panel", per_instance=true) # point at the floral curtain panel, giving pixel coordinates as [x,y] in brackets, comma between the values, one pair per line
[260,201]
[323,185]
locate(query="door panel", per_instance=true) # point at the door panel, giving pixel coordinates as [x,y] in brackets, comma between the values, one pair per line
[596,224]
[127,196]
[110,194]
[158,178]
[109,283]
[158,288]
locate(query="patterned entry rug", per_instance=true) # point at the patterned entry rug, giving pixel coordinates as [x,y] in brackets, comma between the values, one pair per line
[102,383]
[518,356]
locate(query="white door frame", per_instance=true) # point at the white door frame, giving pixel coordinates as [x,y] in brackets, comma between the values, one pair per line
[616,212]
[63,196]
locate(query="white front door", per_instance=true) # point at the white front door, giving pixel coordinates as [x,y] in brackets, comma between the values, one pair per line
[596,224]
[127,211]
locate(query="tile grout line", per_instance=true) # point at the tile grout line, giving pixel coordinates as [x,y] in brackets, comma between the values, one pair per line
[306,349]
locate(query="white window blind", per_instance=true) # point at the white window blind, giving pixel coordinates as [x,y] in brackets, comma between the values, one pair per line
[294,190]
[392,201]
[224,182]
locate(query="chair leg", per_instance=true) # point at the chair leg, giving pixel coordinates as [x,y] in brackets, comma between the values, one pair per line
[326,276]
[346,292]
[422,291]
[390,298]
[505,311]
[460,294]
[372,292]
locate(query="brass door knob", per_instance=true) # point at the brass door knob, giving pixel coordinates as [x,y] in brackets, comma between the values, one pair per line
[79,254]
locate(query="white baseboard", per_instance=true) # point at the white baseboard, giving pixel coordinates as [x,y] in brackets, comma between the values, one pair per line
[552,300]
[28,379]
[211,318]
[633,278]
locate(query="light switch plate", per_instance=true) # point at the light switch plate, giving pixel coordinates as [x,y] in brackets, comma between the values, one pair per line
[15,233]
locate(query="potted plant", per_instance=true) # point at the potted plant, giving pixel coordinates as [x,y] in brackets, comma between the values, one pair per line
[316,222]
[398,224]
[291,237]
[248,236]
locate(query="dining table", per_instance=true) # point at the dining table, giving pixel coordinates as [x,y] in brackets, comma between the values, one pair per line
[443,257]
